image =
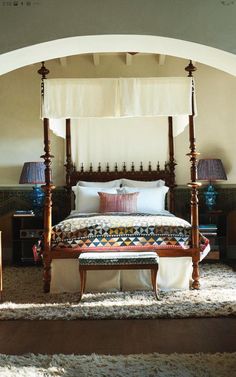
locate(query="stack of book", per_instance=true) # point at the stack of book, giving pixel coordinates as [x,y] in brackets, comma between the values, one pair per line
[29,212]
[208,229]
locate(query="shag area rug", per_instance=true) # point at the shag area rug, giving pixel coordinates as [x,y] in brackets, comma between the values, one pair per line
[24,299]
[149,365]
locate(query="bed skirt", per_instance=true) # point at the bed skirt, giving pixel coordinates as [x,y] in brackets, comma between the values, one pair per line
[174,273]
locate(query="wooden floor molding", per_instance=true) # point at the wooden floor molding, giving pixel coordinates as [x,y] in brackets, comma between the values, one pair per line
[118,336]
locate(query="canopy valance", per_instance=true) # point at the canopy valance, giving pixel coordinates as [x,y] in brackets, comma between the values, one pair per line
[117,97]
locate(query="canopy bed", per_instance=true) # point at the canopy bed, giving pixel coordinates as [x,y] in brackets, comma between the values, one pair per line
[79,98]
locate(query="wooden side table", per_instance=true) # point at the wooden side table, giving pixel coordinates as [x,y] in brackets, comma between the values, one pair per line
[27,230]
[213,227]
[210,231]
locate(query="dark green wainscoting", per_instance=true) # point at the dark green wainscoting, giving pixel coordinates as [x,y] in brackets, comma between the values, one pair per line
[17,198]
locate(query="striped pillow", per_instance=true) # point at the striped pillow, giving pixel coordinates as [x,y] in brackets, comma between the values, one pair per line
[118,202]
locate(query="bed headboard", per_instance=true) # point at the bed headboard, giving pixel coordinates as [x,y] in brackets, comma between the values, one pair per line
[167,174]
[131,173]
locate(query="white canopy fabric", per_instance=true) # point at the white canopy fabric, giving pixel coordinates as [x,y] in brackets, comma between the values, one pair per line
[159,96]
[80,98]
[116,118]
[113,141]
[117,97]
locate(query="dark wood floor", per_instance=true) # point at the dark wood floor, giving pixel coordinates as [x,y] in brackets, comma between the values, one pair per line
[119,336]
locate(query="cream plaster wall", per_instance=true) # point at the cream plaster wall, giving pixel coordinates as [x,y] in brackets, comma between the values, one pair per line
[21,129]
[215,123]
[20,126]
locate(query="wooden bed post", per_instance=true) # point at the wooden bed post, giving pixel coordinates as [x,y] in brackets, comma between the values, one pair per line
[48,187]
[172,164]
[194,188]
[68,164]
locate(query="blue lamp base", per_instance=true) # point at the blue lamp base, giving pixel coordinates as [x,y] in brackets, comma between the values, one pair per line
[38,200]
[210,197]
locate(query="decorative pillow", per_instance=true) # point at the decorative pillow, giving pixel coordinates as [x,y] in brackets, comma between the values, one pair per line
[118,202]
[114,183]
[150,200]
[148,184]
[87,199]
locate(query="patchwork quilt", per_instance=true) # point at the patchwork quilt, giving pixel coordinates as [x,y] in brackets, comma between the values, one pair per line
[122,231]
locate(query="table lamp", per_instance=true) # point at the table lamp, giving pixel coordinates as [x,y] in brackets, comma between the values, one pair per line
[33,172]
[211,169]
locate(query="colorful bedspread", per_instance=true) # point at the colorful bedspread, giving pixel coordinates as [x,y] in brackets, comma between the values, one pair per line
[123,231]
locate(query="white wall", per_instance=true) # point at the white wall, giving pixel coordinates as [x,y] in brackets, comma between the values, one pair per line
[21,128]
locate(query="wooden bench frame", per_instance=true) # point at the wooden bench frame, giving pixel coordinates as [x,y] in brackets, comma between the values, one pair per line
[142,266]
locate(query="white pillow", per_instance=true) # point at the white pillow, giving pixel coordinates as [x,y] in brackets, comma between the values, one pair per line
[150,200]
[114,183]
[132,183]
[87,199]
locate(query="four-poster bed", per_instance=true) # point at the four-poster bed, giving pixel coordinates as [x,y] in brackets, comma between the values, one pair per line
[57,251]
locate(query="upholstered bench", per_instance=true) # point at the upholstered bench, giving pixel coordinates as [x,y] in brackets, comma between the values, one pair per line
[118,261]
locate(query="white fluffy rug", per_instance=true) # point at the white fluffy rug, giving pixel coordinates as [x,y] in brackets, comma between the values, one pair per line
[150,365]
[24,299]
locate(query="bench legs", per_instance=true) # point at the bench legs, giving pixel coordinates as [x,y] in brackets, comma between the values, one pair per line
[154,281]
[83,275]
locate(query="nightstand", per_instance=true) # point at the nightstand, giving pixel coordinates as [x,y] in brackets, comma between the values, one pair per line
[27,230]
[210,231]
[213,227]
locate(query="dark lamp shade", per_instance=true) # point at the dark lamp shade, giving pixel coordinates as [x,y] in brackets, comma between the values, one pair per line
[33,172]
[211,169]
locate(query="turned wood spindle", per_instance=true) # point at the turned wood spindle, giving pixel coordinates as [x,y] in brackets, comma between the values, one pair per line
[171,164]
[48,187]
[68,166]
[193,154]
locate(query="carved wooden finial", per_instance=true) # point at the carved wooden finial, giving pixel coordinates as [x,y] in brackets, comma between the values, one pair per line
[132,167]
[108,168]
[43,71]
[116,167]
[158,166]
[124,167]
[99,167]
[91,168]
[82,168]
[141,166]
[190,69]
[149,166]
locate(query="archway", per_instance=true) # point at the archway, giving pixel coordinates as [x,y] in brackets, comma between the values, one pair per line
[213,57]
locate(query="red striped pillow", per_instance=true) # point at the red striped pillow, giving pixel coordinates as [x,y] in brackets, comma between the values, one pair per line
[118,202]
